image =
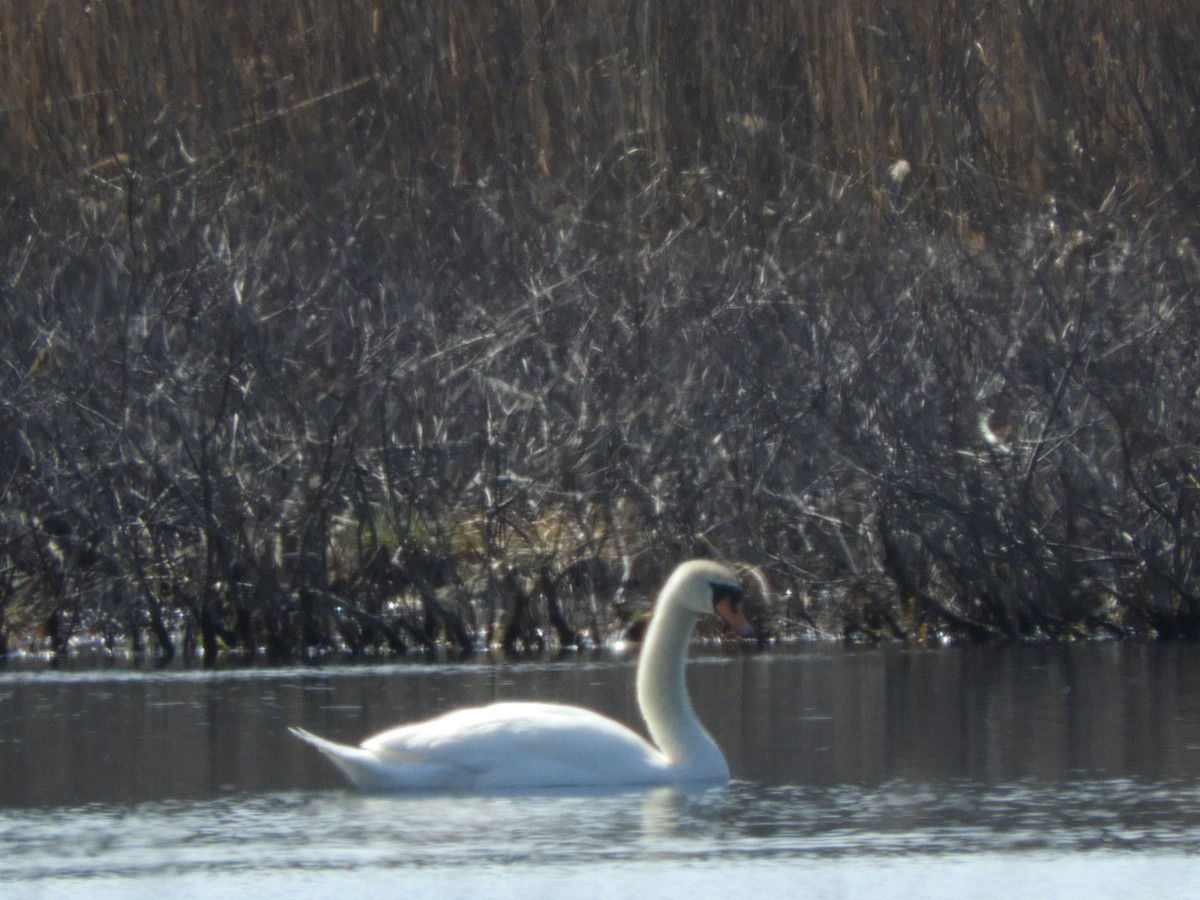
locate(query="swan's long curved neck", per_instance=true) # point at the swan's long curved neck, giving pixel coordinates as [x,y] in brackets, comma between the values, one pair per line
[663,696]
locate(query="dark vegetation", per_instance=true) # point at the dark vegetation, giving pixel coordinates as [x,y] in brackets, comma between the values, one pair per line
[362,325]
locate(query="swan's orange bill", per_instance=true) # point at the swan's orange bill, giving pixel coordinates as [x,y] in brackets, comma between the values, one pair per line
[733,616]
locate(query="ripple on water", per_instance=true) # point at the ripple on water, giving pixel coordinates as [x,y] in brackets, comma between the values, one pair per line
[302,839]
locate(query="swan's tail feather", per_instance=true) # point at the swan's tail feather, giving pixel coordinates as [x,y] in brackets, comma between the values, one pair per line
[329,748]
[357,764]
[377,770]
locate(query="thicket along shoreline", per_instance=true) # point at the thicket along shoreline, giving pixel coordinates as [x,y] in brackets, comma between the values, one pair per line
[359,326]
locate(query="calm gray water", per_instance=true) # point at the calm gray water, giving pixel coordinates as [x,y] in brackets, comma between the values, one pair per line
[965,772]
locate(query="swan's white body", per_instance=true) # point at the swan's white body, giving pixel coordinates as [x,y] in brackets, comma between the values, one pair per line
[539,745]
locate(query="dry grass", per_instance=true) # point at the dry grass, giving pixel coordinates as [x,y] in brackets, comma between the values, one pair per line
[313,307]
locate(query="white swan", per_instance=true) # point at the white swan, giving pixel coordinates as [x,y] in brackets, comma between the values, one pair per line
[541,745]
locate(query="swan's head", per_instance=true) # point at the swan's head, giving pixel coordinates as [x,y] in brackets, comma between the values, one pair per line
[704,587]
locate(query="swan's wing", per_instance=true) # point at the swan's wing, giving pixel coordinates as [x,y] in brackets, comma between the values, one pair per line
[523,745]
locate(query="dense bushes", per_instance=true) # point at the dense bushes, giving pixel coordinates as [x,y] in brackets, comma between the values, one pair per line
[362,325]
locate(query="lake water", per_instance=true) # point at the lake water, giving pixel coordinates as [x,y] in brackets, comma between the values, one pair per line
[1048,771]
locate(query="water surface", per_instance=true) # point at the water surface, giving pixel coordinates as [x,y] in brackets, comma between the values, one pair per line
[979,772]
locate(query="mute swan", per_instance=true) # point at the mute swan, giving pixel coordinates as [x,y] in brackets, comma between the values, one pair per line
[540,745]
